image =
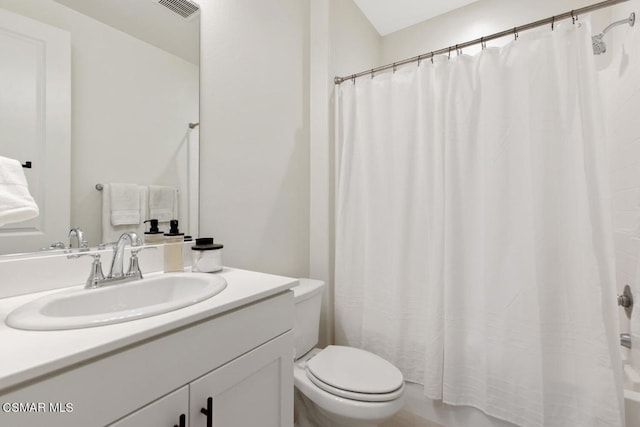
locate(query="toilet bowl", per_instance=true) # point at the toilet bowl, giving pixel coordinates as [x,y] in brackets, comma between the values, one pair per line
[348,386]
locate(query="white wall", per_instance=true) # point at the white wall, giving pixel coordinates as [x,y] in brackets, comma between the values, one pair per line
[254,133]
[341,39]
[621,88]
[131,103]
[478,19]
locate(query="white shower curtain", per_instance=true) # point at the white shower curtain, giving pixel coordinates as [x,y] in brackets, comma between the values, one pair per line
[473,241]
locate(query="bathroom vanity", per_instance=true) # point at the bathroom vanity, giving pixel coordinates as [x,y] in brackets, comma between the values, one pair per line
[225,361]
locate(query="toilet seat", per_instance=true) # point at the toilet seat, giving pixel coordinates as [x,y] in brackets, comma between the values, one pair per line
[355,374]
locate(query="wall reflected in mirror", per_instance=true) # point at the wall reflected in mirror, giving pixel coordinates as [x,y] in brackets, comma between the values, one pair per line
[134,91]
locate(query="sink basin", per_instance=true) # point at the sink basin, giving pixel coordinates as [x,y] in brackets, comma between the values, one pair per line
[122,302]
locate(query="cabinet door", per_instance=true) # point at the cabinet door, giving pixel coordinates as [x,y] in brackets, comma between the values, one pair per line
[164,412]
[255,389]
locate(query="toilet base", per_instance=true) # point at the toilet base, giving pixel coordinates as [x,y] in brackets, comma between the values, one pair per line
[307,414]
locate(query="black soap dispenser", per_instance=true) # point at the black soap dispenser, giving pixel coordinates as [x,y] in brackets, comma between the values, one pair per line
[154,236]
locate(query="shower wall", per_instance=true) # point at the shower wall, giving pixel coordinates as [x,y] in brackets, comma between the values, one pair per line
[621,92]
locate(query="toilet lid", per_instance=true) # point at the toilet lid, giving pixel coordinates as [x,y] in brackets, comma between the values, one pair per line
[354,371]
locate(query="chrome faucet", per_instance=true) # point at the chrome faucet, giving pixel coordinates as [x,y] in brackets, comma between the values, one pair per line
[116,271]
[116,274]
[79,235]
[625,340]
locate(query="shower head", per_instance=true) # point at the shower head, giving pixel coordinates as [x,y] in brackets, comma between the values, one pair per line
[599,46]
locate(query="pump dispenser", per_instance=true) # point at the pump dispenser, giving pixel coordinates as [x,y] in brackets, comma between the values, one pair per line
[154,236]
[173,240]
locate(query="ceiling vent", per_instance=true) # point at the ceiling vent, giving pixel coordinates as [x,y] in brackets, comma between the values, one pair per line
[185,8]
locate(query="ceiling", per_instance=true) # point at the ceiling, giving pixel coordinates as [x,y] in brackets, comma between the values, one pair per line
[388,16]
[147,21]
[156,25]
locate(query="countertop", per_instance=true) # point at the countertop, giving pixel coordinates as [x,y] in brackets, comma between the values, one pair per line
[26,355]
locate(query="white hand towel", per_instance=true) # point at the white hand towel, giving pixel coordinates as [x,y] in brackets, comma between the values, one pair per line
[16,203]
[125,204]
[110,232]
[163,203]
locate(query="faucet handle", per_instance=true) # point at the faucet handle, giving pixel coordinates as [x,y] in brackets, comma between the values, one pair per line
[102,246]
[55,245]
[625,300]
[95,275]
[134,265]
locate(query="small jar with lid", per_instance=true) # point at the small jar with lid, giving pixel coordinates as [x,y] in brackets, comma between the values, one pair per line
[206,256]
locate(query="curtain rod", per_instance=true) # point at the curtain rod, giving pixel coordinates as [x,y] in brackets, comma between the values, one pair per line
[513,31]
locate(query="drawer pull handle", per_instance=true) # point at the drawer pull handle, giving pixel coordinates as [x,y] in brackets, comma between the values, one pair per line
[208,411]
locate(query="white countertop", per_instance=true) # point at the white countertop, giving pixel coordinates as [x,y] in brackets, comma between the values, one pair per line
[25,355]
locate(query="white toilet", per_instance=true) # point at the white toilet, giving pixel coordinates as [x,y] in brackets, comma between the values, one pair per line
[348,386]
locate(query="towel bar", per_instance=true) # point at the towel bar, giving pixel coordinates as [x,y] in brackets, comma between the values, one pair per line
[100,187]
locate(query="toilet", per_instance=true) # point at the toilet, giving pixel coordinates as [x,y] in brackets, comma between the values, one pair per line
[347,386]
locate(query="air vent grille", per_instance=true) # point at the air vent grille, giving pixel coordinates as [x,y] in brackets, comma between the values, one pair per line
[185,8]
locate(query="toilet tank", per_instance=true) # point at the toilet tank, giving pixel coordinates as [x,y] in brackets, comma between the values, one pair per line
[306,328]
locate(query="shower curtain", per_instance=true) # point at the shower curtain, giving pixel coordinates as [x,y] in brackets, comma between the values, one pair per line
[473,240]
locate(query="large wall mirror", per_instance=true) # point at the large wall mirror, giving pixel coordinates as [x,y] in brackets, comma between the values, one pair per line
[133,91]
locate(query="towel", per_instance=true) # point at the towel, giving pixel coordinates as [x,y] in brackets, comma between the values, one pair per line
[16,203]
[122,217]
[125,204]
[163,203]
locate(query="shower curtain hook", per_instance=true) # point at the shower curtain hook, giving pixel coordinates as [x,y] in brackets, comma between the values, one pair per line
[553,21]
[449,56]
[394,68]
[482,43]
[419,60]
[432,57]
[353,78]
[372,74]
[573,18]
[515,33]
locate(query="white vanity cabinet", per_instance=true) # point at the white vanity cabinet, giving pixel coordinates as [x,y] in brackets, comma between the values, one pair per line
[249,391]
[169,411]
[240,362]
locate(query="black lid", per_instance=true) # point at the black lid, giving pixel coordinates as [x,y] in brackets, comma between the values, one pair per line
[173,229]
[205,244]
[188,238]
[153,227]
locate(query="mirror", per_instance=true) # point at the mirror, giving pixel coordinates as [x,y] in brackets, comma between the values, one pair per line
[134,87]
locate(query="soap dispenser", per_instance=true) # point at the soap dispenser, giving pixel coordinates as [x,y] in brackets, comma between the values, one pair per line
[154,236]
[173,240]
